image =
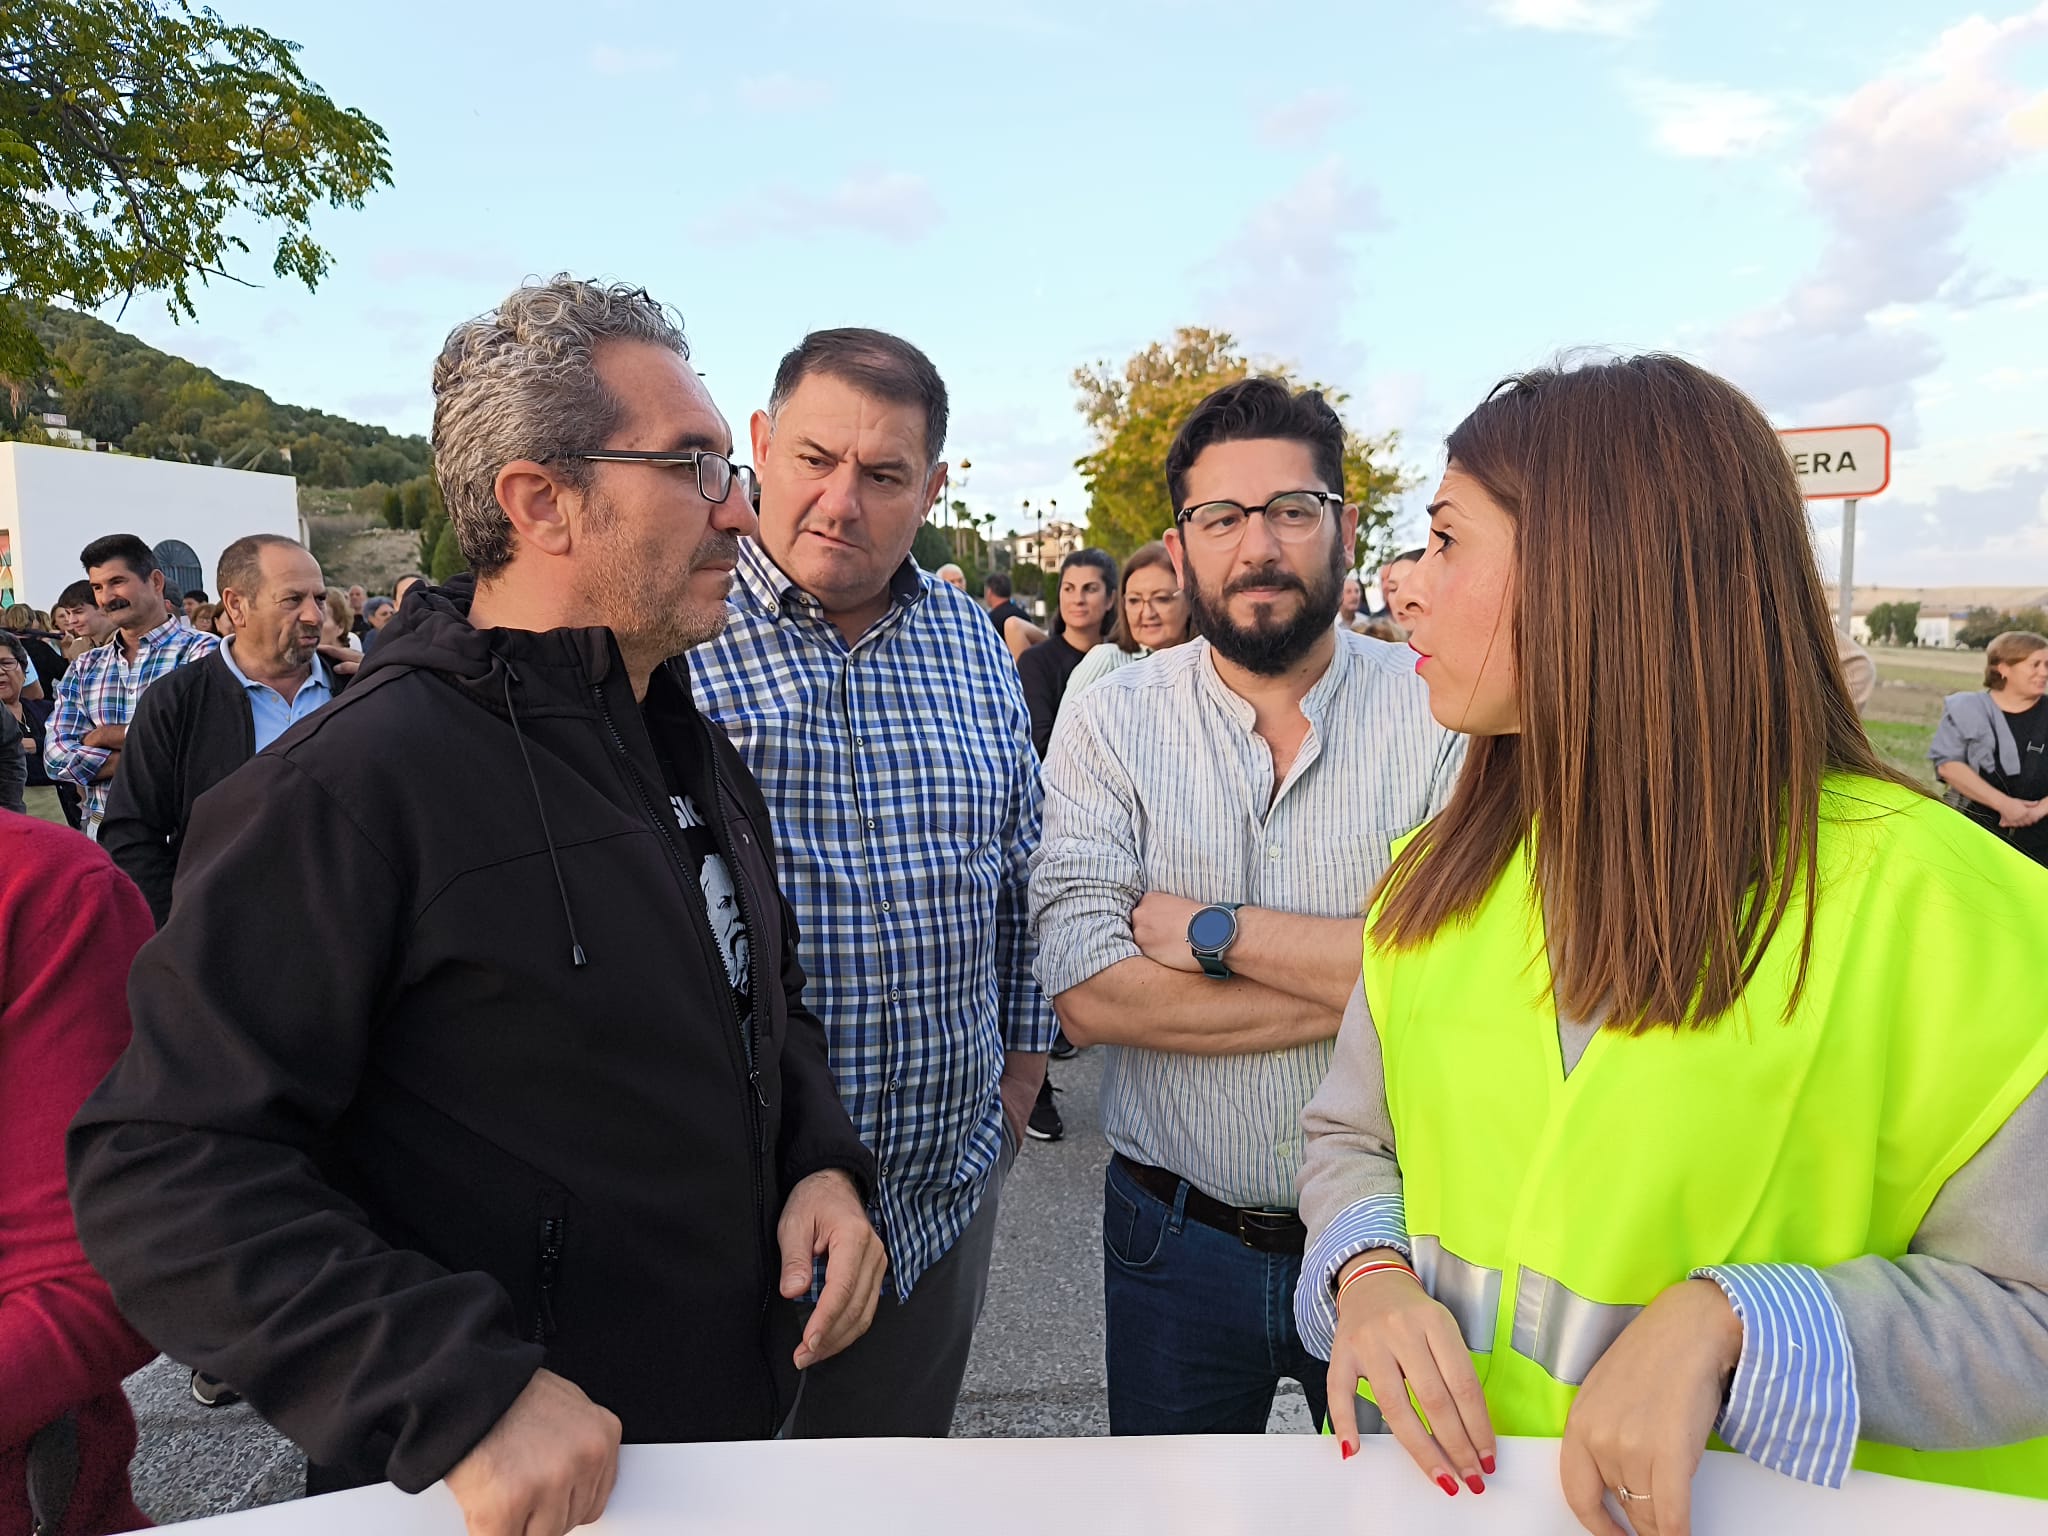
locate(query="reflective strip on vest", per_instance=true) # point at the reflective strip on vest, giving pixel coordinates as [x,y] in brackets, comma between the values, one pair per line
[1468,1292]
[1562,1331]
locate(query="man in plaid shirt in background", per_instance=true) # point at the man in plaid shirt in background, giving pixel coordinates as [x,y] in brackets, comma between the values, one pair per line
[883,718]
[97,697]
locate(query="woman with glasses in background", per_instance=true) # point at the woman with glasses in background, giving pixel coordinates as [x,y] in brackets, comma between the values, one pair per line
[1152,616]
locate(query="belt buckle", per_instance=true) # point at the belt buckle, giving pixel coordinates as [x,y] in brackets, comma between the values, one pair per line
[1265,1223]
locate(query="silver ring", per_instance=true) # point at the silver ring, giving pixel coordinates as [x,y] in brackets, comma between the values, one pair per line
[1633,1498]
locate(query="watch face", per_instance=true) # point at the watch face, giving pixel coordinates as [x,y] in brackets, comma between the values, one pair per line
[1212,928]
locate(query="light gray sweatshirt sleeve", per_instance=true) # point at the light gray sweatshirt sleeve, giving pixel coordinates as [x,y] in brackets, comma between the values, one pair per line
[1951,1341]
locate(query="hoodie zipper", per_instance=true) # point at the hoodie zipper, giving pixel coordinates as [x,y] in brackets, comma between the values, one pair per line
[550,1271]
[757,1100]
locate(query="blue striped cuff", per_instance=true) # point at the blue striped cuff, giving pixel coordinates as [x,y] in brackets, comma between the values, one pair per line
[1378,1221]
[1793,1405]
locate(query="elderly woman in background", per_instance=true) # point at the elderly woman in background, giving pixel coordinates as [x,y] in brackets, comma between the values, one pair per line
[340,649]
[1991,748]
[1152,616]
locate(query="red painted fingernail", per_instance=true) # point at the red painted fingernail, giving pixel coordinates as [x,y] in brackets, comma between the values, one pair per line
[1350,1450]
[1486,1465]
[1475,1485]
[1444,1482]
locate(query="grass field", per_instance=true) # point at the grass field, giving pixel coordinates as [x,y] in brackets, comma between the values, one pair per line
[1907,705]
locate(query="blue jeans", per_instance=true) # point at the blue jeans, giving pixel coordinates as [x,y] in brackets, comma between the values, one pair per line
[1200,1328]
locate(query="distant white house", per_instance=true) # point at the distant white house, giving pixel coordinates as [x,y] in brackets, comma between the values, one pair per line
[55,501]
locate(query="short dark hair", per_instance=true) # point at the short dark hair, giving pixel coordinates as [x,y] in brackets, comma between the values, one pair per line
[1406,556]
[124,547]
[1258,408]
[197,592]
[77,595]
[8,639]
[875,363]
[998,583]
[241,563]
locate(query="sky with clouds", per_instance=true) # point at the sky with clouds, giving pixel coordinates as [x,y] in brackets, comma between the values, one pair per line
[1843,207]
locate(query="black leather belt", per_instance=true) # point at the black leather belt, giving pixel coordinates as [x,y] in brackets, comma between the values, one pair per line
[1269,1231]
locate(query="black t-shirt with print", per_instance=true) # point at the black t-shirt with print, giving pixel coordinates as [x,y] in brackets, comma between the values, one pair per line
[699,847]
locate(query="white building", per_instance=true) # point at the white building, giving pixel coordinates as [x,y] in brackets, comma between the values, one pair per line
[1048,546]
[55,501]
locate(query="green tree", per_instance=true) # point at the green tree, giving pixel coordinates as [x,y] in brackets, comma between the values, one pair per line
[393,508]
[135,135]
[413,501]
[447,554]
[1894,623]
[1135,411]
[1983,625]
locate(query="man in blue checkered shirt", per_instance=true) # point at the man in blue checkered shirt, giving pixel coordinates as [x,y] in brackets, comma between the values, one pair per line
[884,720]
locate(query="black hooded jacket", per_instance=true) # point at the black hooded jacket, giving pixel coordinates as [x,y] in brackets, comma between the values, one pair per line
[437,1077]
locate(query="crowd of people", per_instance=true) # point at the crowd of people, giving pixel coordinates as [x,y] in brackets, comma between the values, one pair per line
[1524,1003]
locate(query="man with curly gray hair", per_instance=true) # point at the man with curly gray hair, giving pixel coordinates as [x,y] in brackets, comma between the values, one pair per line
[538,1153]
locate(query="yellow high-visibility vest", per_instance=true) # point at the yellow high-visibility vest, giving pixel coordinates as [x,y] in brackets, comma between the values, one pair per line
[1546,1209]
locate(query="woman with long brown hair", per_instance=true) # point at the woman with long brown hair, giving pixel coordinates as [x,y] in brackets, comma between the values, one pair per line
[1694,1082]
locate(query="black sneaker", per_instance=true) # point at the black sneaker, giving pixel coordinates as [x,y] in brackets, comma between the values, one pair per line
[211,1392]
[1045,1123]
[1063,1049]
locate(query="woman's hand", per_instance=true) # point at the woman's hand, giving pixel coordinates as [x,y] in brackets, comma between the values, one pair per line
[1401,1339]
[2015,814]
[1642,1419]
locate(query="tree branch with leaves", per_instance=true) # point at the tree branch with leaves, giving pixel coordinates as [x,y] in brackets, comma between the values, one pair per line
[133,133]
[1135,410]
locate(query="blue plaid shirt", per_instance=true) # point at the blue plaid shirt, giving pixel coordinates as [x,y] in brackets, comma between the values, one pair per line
[100,688]
[904,788]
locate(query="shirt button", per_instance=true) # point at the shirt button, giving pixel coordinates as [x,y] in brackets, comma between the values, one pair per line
[871,823]
[885,1170]
[895,1085]
[1273,852]
[894,993]
[885,906]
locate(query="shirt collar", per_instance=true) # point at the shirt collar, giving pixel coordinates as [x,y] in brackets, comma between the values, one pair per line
[227,654]
[1312,703]
[161,633]
[771,589]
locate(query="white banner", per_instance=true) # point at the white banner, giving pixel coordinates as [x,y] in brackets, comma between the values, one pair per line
[1213,1485]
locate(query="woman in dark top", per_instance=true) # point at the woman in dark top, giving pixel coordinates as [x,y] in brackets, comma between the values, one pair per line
[1081,621]
[1991,748]
[31,721]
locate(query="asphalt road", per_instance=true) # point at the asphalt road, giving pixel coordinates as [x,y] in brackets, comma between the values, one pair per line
[1036,1370]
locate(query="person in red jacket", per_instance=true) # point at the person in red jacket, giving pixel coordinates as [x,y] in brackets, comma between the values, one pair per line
[70,924]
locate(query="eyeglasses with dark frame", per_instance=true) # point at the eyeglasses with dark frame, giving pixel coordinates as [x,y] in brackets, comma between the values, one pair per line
[1291,517]
[716,472]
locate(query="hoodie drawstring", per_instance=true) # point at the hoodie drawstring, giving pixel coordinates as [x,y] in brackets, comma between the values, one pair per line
[576,957]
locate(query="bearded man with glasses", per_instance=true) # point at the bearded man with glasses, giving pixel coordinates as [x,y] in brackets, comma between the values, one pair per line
[1216,816]
[536,1153]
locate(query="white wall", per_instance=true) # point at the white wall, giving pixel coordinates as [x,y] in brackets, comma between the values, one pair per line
[55,501]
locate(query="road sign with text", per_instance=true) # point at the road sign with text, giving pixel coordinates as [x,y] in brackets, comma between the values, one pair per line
[1839,461]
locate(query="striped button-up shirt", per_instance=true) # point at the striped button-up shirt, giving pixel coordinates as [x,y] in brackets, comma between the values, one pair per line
[1158,781]
[100,688]
[905,793]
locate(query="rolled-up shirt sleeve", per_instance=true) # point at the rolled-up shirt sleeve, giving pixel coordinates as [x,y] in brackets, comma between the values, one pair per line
[65,756]
[1086,878]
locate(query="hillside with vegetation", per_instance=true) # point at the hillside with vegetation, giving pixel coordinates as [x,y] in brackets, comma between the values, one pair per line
[118,390]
